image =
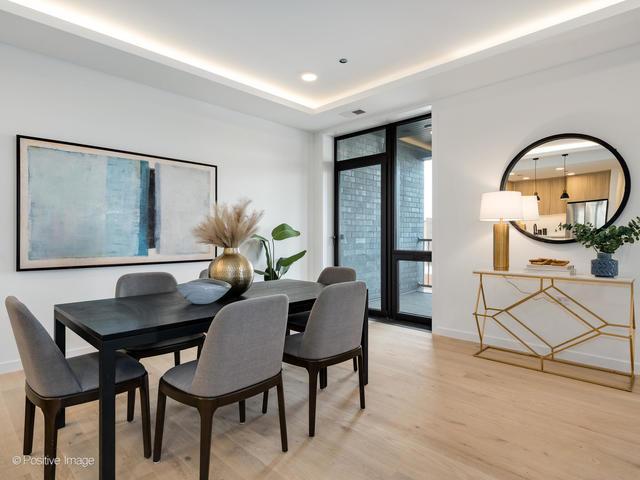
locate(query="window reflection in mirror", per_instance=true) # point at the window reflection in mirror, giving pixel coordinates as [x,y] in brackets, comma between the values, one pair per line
[577,180]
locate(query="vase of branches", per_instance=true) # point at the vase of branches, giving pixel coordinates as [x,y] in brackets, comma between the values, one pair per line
[605,241]
[228,227]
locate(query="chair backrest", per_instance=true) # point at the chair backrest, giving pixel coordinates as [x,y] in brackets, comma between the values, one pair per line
[243,347]
[204,273]
[147,283]
[335,322]
[331,275]
[46,370]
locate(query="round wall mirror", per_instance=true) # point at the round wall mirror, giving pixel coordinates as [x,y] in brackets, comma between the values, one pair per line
[575,178]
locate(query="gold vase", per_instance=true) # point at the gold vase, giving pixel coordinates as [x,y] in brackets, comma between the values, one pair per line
[234,268]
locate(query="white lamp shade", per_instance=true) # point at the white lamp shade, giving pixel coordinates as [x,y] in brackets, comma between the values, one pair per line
[530,208]
[503,205]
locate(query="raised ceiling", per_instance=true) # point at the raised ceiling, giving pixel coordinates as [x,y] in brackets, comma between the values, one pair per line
[260,49]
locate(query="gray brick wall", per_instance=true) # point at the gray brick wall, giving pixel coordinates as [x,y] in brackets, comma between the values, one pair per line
[360,209]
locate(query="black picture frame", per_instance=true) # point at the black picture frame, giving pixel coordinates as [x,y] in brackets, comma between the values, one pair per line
[19,246]
[561,136]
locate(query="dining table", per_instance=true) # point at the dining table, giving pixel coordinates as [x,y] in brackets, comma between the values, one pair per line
[112,324]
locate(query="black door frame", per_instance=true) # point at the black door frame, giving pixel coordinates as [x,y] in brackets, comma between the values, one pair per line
[389,255]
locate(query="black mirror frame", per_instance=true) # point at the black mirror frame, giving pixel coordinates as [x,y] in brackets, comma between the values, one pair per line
[623,165]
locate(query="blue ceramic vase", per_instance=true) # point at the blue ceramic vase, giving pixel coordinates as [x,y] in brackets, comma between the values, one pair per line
[604,266]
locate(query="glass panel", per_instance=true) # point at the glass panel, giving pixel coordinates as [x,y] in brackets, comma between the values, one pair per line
[361,145]
[360,226]
[414,283]
[413,186]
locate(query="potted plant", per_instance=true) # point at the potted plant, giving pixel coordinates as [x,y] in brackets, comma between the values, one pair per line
[228,227]
[281,266]
[605,241]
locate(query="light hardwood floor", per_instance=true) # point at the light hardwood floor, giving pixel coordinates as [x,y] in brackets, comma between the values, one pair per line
[433,412]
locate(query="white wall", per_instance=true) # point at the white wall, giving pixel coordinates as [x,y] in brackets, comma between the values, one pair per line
[477,133]
[43,97]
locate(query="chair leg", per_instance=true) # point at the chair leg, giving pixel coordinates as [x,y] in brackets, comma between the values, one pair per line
[206,424]
[313,392]
[243,410]
[29,419]
[265,401]
[176,358]
[131,404]
[324,374]
[361,380]
[157,443]
[355,364]
[281,415]
[146,416]
[50,439]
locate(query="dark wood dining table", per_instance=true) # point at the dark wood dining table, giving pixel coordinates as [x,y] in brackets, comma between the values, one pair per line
[115,323]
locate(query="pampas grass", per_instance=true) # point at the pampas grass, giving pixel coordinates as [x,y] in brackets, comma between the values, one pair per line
[229,226]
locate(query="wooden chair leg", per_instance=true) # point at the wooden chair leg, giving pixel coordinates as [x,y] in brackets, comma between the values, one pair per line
[323,377]
[146,416]
[176,358]
[361,380]
[206,424]
[243,410]
[50,439]
[157,443]
[265,401]
[355,364]
[29,420]
[313,392]
[131,404]
[281,415]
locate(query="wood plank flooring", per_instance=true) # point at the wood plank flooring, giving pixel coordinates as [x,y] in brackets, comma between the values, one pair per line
[433,412]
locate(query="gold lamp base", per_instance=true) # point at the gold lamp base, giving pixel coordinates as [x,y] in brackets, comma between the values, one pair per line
[501,246]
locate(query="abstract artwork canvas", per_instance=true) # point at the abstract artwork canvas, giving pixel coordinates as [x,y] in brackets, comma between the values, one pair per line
[82,206]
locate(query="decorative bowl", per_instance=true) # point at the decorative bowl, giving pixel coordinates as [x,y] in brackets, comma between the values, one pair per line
[204,290]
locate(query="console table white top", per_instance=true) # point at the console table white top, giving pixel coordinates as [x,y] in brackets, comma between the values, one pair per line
[555,276]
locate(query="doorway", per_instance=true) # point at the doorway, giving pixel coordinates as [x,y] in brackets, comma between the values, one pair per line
[383,215]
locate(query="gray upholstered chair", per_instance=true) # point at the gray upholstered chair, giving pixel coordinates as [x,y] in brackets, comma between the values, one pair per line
[134,284]
[298,321]
[333,335]
[241,357]
[54,382]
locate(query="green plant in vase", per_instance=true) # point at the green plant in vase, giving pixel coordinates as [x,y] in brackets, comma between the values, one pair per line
[605,241]
[274,271]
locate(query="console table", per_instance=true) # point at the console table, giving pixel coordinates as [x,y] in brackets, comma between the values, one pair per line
[551,285]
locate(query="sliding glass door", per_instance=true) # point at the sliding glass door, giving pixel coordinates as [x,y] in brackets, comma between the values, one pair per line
[359,215]
[383,215]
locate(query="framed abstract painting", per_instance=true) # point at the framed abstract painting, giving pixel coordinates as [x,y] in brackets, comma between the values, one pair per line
[87,206]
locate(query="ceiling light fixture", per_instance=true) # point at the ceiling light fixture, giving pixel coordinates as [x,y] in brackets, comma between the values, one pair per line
[525,178]
[309,77]
[565,195]
[559,169]
[535,178]
[570,174]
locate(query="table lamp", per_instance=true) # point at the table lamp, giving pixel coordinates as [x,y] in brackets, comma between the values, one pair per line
[502,206]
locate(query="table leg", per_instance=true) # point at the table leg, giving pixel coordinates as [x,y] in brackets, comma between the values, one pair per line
[60,337]
[365,341]
[107,427]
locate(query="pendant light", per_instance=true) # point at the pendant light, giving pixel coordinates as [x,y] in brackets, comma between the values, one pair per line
[565,195]
[535,177]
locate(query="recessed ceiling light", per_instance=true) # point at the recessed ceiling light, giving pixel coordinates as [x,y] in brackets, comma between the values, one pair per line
[570,173]
[512,173]
[343,60]
[309,77]
[525,178]
[559,169]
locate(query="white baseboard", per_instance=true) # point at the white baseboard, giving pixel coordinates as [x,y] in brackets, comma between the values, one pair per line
[15,365]
[582,357]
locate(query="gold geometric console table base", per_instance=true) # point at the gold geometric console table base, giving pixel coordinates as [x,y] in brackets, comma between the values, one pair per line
[548,362]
